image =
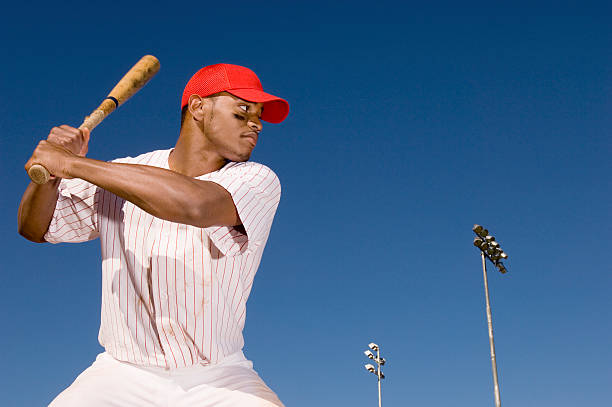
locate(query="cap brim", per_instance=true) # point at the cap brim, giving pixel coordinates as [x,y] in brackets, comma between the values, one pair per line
[275,109]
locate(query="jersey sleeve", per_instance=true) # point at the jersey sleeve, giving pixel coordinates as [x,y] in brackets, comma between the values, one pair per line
[255,190]
[75,217]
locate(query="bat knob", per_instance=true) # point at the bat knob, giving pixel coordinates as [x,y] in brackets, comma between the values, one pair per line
[39,174]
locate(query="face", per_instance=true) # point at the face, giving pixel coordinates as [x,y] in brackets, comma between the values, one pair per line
[231,126]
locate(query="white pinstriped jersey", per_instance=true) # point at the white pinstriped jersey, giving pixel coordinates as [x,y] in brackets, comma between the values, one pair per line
[173,295]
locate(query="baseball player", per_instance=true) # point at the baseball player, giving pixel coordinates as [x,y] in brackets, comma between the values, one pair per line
[182,232]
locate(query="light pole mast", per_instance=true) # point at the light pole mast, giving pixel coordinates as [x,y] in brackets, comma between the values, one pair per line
[377,371]
[491,250]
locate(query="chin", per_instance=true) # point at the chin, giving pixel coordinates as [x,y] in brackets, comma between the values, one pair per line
[240,157]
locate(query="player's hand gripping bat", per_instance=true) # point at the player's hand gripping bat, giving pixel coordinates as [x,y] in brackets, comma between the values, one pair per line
[131,83]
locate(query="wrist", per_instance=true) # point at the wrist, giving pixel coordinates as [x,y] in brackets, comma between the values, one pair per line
[73,166]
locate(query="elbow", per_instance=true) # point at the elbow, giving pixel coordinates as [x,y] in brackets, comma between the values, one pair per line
[212,207]
[221,212]
[29,234]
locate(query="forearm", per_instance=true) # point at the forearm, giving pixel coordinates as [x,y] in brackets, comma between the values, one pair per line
[162,193]
[36,210]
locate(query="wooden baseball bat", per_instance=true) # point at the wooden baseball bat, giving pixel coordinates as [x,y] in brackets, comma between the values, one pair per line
[131,83]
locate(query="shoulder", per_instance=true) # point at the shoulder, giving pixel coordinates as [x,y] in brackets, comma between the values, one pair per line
[246,177]
[248,168]
[154,158]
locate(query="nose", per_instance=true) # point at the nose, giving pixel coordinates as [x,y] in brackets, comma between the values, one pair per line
[255,124]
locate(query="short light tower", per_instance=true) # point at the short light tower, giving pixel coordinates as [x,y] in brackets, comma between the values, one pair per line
[376,370]
[490,249]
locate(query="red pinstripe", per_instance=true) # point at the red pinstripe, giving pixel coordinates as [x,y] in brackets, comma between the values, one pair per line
[73,203]
[157,310]
[240,325]
[172,333]
[138,304]
[264,216]
[176,295]
[127,283]
[254,197]
[113,267]
[159,296]
[203,240]
[213,281]
[150,301]
[132,288]
[223,319]
[109,282]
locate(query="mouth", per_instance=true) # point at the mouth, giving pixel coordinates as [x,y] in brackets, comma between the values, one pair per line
[251,137]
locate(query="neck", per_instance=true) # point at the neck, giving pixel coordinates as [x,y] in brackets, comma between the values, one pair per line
[190,156]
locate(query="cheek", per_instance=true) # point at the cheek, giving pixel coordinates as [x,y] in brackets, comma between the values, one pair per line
[225,131]
[217,126]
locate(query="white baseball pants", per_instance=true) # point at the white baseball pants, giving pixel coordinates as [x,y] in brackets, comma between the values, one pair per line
[111,383]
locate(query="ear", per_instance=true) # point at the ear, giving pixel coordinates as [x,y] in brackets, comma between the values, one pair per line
[198,107]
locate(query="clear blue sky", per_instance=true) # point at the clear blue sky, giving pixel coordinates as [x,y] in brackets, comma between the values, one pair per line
[407,126]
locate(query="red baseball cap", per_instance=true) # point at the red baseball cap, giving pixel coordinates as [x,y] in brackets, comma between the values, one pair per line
[240,82]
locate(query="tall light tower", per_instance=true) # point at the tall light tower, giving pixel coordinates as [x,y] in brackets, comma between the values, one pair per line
[377,371]
[491,250]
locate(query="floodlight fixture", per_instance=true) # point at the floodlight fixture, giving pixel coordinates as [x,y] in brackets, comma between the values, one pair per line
[376,370]
[477,229]
[480,243]
[503,255]
[489,238]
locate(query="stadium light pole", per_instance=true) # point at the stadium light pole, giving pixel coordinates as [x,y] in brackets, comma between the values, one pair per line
[377,371]
[490,249]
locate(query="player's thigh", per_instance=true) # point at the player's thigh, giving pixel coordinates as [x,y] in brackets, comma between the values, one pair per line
[109,383]
[229,386]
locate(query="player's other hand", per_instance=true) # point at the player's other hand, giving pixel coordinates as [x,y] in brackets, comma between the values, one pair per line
[56,153]
[55,158]
[71,138]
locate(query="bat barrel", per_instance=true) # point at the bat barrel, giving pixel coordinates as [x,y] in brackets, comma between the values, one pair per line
[135,79]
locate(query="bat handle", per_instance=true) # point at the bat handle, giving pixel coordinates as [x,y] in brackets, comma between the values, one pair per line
[39,174]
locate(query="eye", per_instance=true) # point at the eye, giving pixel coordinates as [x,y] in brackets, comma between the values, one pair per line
[244,107]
